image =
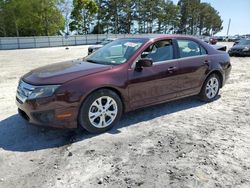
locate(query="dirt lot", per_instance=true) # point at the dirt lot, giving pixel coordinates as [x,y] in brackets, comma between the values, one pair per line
[185,143]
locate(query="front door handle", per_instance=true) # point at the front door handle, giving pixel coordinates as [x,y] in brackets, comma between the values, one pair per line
[171,69]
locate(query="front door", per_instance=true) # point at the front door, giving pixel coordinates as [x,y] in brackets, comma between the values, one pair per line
[157,83]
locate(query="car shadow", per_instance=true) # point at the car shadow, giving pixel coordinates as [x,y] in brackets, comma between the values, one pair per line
[18,135]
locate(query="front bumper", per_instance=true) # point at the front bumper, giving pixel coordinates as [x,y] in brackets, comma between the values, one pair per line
[48,112]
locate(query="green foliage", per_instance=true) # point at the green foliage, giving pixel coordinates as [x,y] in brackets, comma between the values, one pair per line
[29,18]
[198,18]
[48,17]
[82,15]
[131,16]
[116,16]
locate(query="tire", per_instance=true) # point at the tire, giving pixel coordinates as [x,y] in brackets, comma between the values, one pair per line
[210,88]
[100,111]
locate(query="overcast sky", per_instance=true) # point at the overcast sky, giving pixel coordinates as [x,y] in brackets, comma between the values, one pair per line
[237,10]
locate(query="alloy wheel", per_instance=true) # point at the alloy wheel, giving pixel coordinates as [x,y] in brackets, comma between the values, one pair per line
[212,87]
[103,112]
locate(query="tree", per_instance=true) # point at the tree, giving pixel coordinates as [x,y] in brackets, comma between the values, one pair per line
[198,18]
[188,15]
[65,7]
[29,18]
[3,14]
[127,16]
[49,16]
[45,17]
[209,20]
[110,15]
[82,15]
[147,12]
[167,17]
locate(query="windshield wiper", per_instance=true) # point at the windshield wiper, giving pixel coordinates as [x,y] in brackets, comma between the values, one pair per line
[98,62]
[91,61]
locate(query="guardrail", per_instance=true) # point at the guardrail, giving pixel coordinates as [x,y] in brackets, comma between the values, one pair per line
[7,43]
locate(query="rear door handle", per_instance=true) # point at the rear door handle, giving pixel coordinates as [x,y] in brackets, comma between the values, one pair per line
[207,61]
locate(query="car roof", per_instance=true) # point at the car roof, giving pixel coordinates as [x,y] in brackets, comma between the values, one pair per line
[156,37]
[160,36]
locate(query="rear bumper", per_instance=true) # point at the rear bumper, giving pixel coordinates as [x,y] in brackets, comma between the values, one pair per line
[48,113]
[226,74]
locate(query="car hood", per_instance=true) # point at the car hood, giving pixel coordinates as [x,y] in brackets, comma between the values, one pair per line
[95,46]
[237,46]
[59,73]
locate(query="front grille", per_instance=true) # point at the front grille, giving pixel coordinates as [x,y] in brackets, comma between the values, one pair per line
[236,50]
[44,117]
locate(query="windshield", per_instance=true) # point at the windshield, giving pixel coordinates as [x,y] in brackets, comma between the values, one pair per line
[116,52]
[244,42]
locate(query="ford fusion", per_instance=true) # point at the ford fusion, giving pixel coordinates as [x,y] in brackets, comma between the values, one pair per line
[124,75]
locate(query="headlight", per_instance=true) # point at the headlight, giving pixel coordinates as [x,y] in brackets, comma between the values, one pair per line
[245,49]
[42,91]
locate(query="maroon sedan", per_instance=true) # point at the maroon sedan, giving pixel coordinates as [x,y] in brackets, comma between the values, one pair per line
[124,75]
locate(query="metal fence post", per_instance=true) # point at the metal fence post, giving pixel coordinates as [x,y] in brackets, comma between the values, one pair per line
[86,39]
[1,44]
[34,41]
[75,41]
[49,41]
[18,43]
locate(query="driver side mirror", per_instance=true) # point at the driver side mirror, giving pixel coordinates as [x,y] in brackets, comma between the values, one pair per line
[145,62]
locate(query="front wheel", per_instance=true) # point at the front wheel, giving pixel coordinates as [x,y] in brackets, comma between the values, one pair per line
[100,111]
[210,88]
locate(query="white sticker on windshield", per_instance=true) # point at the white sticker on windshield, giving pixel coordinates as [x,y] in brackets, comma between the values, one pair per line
[130,44]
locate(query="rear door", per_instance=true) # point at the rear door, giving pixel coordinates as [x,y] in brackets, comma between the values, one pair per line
[157,83]
[193,64]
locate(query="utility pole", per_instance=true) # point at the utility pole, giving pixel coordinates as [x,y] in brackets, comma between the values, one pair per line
[229,23]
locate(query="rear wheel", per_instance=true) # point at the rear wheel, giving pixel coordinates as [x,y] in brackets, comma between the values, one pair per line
[210,88]
[100,111]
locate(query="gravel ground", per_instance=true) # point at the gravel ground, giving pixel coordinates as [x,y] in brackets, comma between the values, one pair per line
[185,143]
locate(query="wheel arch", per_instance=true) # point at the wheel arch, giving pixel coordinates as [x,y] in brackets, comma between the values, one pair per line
[218,73]
[115,90]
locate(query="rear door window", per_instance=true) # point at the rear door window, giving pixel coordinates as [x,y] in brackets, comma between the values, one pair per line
[189,48]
